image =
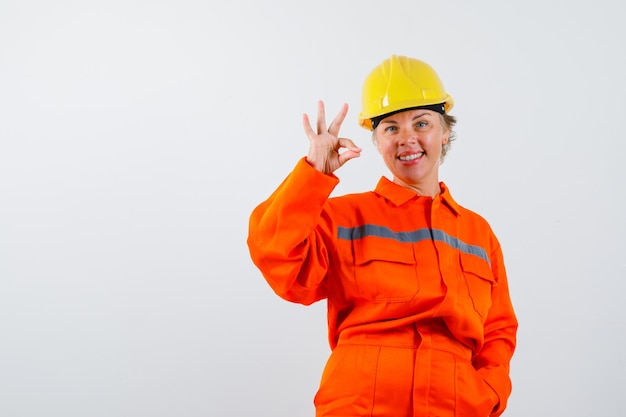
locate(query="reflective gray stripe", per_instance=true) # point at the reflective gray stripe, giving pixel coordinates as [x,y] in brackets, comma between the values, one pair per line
[462,246]
[414,236]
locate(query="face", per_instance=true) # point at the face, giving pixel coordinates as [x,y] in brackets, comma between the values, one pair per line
[410,143]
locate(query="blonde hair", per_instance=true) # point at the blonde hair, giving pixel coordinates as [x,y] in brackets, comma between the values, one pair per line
[448,121]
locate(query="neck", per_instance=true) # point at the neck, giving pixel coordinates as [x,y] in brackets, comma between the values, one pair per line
[426,190]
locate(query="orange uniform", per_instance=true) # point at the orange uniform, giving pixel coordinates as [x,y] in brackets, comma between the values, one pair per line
[420,320]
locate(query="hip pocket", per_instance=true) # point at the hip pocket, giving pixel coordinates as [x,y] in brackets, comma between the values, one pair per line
[456,389]
[474,397]
[348,381]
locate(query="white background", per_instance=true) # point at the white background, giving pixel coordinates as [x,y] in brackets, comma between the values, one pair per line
[137,136]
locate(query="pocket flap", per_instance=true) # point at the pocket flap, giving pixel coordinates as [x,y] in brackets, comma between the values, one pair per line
[380,249]
[477,266]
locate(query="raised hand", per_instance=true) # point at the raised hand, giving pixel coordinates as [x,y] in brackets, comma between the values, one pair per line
[324,147]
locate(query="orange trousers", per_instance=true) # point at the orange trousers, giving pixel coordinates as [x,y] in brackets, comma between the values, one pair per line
[414,371]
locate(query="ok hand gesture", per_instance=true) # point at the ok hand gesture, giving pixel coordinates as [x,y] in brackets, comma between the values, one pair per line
[325,144]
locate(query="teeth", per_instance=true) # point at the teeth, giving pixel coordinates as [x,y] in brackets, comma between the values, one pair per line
[411,157]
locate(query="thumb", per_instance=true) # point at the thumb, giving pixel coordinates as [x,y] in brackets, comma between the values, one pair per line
[351,150]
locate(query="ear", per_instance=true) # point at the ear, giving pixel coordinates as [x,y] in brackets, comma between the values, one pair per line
[446,136]
[375,142]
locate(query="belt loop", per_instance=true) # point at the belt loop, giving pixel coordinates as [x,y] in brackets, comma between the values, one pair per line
[423,333]
[417,337]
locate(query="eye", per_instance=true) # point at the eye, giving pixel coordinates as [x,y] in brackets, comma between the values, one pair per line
[391,128]
[421,124]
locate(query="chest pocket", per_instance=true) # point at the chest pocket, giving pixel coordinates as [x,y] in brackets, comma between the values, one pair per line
[385,270]
[479,280]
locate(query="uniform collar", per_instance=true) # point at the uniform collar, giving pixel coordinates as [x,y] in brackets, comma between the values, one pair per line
[400,195]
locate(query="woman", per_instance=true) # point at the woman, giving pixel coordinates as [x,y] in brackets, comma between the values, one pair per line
[420,320]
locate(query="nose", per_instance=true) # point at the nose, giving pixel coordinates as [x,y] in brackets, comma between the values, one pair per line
[407,138]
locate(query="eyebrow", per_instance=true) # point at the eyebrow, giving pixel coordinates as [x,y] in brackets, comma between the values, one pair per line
[417,116]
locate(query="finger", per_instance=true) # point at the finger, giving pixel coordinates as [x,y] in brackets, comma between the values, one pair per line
[348,144]
[335,125]
[348,155]
[321,118]
[351,150]
[306,123]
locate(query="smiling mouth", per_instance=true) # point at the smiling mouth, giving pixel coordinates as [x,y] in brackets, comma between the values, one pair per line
[411,157]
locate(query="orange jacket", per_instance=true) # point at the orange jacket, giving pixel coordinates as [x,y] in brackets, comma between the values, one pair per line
[387,259]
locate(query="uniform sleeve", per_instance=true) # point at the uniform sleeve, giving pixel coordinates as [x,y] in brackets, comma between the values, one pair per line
[493,360]
[290,235]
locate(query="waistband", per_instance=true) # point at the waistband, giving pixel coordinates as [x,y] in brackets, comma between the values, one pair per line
[421,335]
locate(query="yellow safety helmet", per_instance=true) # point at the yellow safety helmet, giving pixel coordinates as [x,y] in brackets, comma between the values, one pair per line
[400,83]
